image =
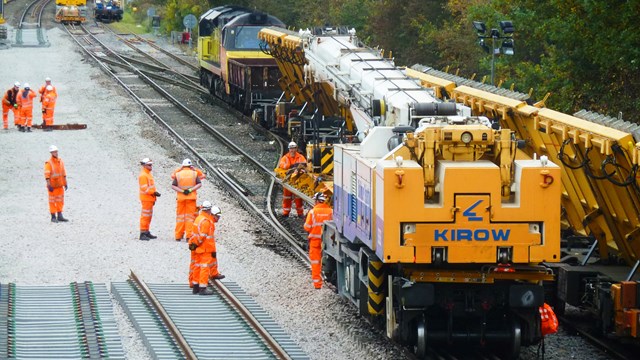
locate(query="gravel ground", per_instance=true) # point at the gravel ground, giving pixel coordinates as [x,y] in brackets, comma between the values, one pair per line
[100,242]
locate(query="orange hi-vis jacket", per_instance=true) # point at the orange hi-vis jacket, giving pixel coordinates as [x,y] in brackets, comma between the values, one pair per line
[201,175]
[203,228]
[10,97]
[147,186]
[186,179]
[286,161]
[55,172]
[26,102]
[43,91]
[315,218]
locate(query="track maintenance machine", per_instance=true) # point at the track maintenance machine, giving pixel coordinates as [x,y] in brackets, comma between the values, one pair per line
[440,224]
[599,158]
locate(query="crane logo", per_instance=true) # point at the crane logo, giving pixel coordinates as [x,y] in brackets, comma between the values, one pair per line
[470,214]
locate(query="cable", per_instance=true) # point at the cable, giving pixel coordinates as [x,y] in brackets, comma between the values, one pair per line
[561,157]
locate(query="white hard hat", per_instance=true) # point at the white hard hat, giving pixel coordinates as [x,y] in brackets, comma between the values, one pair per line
[292,145]
[186,162]
[206,205]
[53,148]
[26,86]
[49,88]
[17,83]
[319,197]
[146,161]
[47,79]
[215,210]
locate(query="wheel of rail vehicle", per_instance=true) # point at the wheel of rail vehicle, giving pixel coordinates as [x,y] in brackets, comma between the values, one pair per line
[420,348]
[513,350]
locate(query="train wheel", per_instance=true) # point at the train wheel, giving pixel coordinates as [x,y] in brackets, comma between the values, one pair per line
[420,348]
[513,350]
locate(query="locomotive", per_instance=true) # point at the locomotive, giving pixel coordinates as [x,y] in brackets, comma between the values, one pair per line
[440,231]
[71,11]
[232,65]
[107,11]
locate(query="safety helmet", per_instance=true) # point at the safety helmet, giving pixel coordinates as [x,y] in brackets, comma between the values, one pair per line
[49,88]
[293,145]
[186,162]
[206,205]
[215,211]
[26,86]
[47,79]
[53,148]
[146,161]
[319,197]
[17,84]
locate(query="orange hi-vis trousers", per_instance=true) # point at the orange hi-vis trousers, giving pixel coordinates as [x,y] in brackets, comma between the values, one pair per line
[186,213]
[287,196]
[26,116]
[56,200]
[206,266]
[47,116]
[146,214]
[5,115]
[315,256]
[192,269]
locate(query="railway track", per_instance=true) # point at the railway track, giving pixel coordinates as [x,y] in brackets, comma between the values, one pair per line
[176,324]
[30,32]
[74,321]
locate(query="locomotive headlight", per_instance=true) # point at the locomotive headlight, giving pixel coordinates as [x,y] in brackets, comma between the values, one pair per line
[466,137]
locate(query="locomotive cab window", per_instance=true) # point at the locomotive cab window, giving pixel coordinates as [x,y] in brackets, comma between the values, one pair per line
[242,38]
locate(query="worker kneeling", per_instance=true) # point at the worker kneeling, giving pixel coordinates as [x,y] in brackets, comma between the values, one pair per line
[203,249]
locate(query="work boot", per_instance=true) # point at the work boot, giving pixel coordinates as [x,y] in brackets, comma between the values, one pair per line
[46,128]
[62,218]
[150,235]
[218,277]
[20,128]
[195,289]
[53,218]
[29,129]
[206,291]
[143,236]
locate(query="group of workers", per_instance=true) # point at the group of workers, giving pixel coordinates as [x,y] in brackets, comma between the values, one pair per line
[20,103]
[321,212]
[198,228]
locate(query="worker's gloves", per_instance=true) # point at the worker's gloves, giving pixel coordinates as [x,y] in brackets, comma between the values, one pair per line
[66,187]
[186,191]
[192,246]
[50,188]
[156,194]
[15,106]
[44,111]
[214,254]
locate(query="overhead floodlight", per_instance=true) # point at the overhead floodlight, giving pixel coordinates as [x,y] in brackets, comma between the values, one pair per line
[480,27]
[507,27]
[507,47]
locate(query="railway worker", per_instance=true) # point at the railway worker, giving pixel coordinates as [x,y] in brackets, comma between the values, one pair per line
[25,103]
[10,102]
[203,250]
[320,213]
[148,196]
[201,174]
[48,105]
[186,182]
[56,177]
[44,90]
[290,162]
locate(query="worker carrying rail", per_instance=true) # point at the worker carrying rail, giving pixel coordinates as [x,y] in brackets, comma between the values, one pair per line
[290,162]
[320,213]
[56,177]
[203,248]
[148,196]
[186,182]
[10,102]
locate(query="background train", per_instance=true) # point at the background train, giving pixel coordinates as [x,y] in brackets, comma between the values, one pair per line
[108,11]
[232,65]
[71,11]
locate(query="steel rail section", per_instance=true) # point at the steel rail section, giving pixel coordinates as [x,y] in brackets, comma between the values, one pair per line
[166,319]
[168,53]
[271,343]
